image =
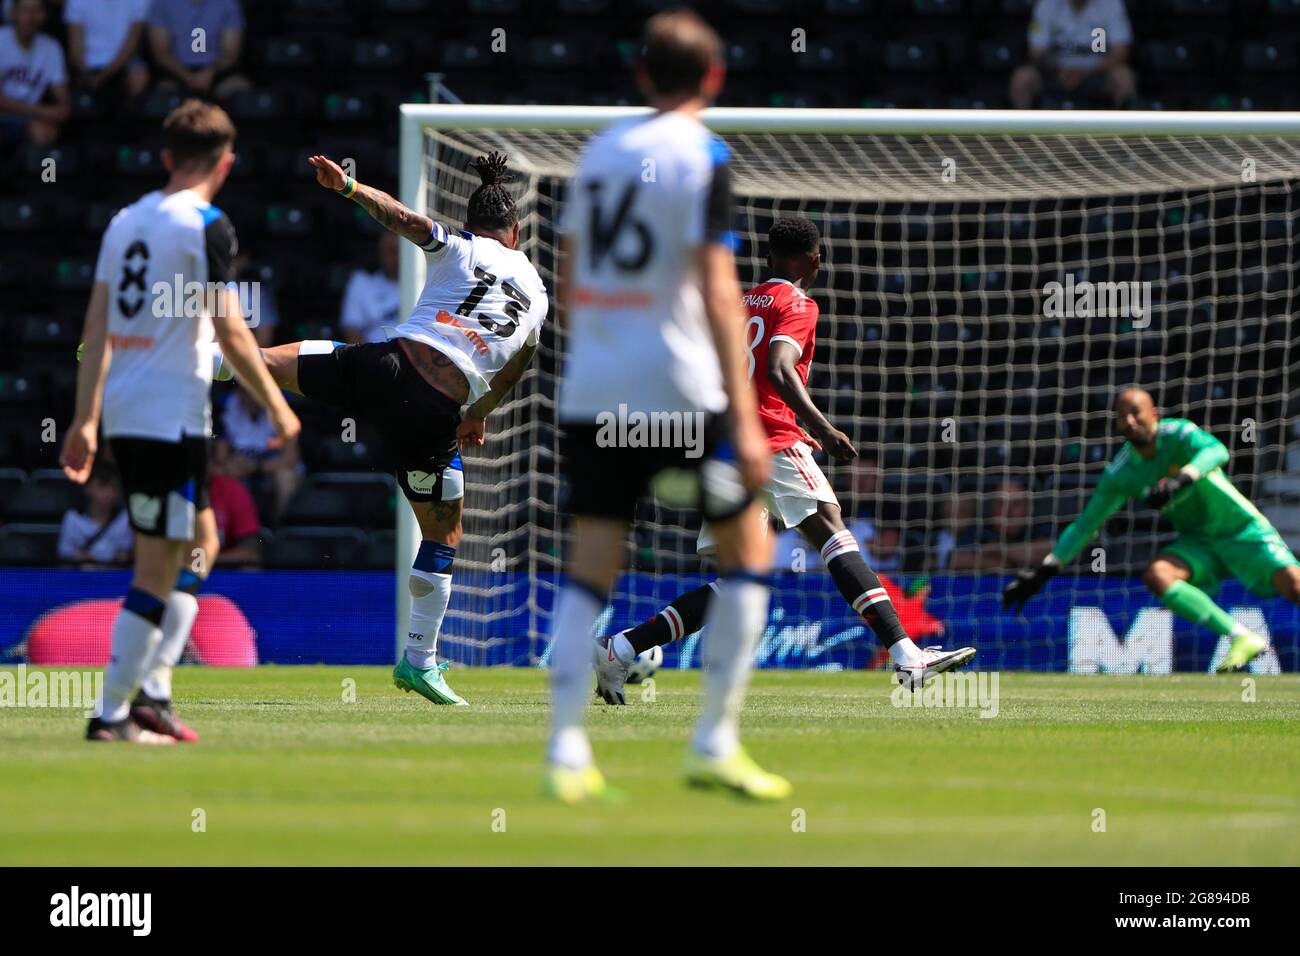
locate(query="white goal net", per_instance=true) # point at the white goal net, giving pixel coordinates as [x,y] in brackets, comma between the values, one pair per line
[990,281]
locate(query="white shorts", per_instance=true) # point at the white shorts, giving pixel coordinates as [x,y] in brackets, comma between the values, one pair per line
[791,494]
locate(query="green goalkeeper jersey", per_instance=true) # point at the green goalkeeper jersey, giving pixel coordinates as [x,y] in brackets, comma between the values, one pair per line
[1208,508]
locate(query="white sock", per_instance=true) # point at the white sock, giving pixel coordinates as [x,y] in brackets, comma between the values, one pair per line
[178,621]
[623,649]
[575,615]
[905,652]
[134,641]
[430,594]
[735,623]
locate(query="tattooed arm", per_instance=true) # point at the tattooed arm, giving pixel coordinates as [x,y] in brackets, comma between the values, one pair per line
[471,427]
[383,208]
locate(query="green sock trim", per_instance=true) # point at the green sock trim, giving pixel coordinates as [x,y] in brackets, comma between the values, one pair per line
[1192,604]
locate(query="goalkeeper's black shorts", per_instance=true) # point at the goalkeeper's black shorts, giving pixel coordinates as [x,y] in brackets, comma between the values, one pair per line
[608,468]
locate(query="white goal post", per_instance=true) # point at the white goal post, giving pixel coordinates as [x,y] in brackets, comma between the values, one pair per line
[897,192]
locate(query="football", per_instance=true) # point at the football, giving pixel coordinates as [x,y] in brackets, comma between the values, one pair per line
[646,663]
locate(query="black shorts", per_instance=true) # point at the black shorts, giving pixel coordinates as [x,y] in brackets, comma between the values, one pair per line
[375,381]
[606,474]
[165,484]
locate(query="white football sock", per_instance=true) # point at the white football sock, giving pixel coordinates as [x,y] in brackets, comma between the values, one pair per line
[905,651]
[430,594]
[134,641]
[735,622]
[178,621]
[575,615]
[623,649]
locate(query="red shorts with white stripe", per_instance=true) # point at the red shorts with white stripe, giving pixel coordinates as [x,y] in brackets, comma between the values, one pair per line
[791,494]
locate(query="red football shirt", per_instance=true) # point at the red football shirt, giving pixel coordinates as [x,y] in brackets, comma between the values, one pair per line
[778,310]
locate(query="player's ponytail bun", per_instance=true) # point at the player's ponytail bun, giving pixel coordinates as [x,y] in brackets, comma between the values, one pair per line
[492,169]
[491,207]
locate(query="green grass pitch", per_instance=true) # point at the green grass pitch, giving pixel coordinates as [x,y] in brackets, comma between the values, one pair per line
[288,771]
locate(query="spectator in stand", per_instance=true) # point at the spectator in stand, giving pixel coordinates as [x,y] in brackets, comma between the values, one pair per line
[101,534]
[250,450]
[104,44]
[373,300]
[957,514]
[238,527]
[1007,538]
[1068,58]
[197,45]
[34,99]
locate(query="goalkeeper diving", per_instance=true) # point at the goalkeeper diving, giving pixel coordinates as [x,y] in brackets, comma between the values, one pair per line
[1176,467]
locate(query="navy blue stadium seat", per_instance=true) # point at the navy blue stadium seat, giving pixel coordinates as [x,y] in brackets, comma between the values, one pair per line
[289,53]
[45,496]
[380,551]
[378,54]
[74,275]
[315,548]
[372,495]
[758,8]
[50,332]
[158,103]
[828,55]
[334,15]
[459,56]
[22,389]
[1268,56]
[493,8]
[33,160]
[1186,55]
[29,545]
[916,55]
[1208,8]
[349,107]
[251,106]
[11,480]
[847,8]
[316,505]
[1000,53]
[360,455]
[946,8]
[140,161]
[23,215]
[582,8]
[555,53]
[290,219]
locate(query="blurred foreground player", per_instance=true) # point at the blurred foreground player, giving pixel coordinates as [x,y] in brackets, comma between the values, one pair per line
[781,337]
[650,291]
[1177,468]
[149,372]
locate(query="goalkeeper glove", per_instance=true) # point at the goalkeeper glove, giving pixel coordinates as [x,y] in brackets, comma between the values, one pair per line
[1166,488]
[1028,582]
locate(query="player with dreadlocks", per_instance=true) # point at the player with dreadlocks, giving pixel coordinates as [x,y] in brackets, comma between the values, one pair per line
[469,339]
[781,337]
